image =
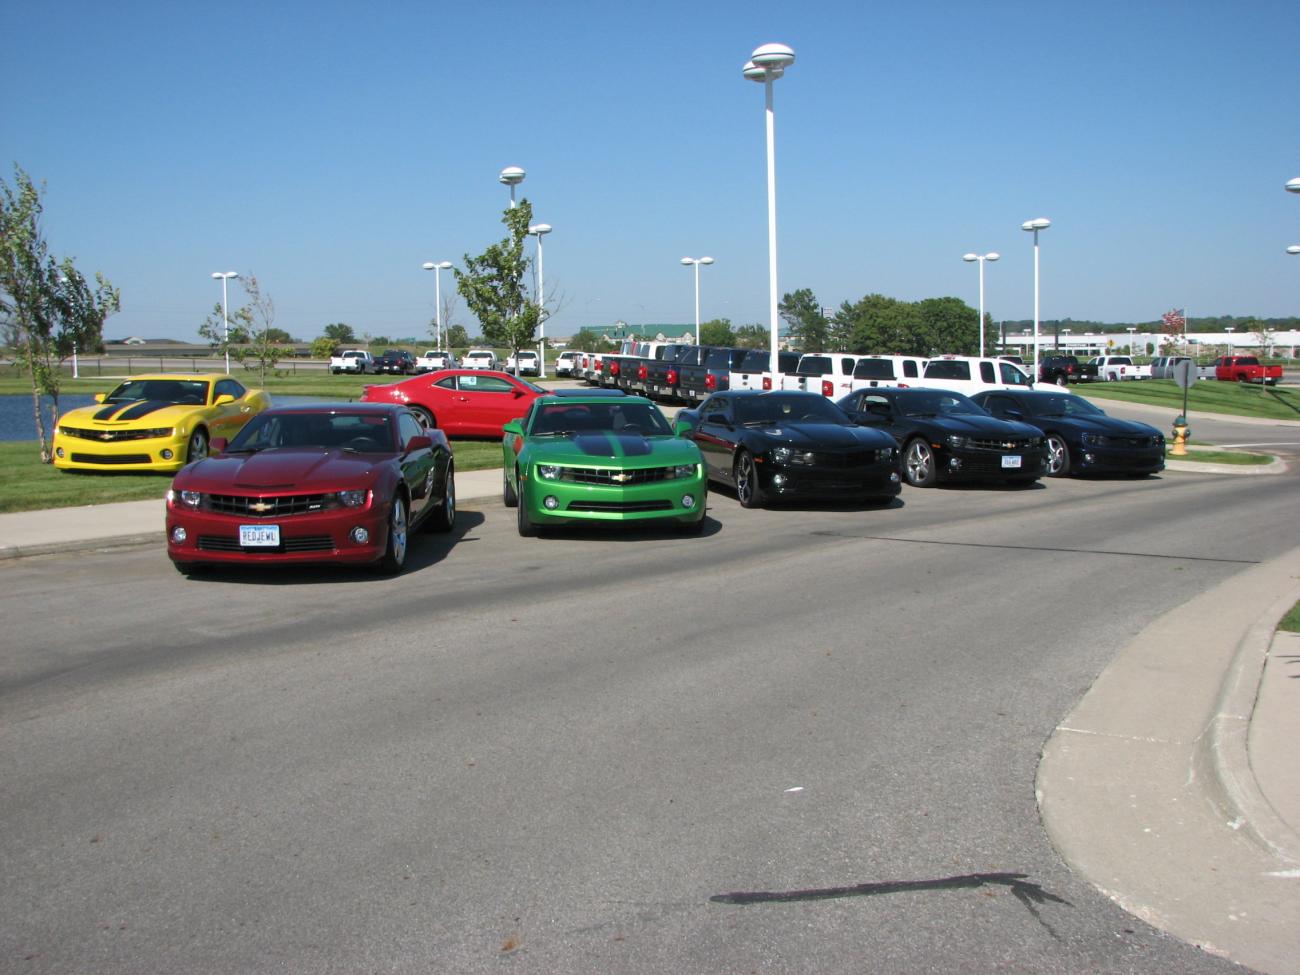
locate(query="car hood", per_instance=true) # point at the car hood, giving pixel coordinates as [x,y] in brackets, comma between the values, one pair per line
[1109,425]
[142,413]
[988,426]
[305,469]
[634,449]
[823,435]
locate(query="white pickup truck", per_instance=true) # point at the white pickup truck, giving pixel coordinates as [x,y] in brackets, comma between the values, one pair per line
[828,373]
[971,374]
[1114,368]
[351,360]
[433,360]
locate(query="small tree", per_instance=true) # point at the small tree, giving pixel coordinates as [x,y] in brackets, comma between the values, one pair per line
[588,340]
[809,329]
[47,308]
[493,287]
[323,347]
[717,332]
[341,333]
[457,337]
[753,337]
[262,351]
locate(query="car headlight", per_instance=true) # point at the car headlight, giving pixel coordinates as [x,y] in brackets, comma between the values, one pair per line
[353,499]
[685,470]
[548,472]
[1091,439]
[953,440]
[188,499]
[887,455]
[788,455]
[157,432]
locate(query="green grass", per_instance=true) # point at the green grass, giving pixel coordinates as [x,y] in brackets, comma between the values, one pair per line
[1206,455]
[1291,621]
[28,485]
[1207,396]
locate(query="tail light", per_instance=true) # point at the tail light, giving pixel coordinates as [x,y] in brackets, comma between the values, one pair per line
[613,368]
[642,371]
[672,377]
[767,382]
[711,382]
[828,388]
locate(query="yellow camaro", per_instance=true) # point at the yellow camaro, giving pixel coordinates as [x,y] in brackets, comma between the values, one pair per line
[155,423]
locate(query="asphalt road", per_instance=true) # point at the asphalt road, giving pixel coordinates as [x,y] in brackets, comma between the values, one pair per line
[805,742]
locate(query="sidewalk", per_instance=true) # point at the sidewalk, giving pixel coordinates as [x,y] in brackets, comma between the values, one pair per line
[1172,787]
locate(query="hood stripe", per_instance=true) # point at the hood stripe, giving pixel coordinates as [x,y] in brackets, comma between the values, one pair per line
[138,410]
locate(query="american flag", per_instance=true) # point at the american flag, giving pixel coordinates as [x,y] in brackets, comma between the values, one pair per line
[1175,321]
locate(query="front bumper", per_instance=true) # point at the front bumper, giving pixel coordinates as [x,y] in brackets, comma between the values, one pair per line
[318,537]
[162,454]
[967,464]
[1113,460]
[614,503]
[829,483]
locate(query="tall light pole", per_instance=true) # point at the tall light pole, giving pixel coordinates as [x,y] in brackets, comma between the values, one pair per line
[1130,329]
[991,256]
[437,270]
[512,176]
[1293,186]
[1034,226]
[766,64]
[540,230]
[697,261]
[225,313]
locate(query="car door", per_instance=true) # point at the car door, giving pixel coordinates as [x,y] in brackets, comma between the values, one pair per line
[716,436]
[228,418]
[486,404]
[417,465]
[874,409]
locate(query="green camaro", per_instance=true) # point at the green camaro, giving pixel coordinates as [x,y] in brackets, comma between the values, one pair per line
[594,457]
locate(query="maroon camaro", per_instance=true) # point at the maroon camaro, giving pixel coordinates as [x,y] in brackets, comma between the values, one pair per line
[463,402]
[325,483]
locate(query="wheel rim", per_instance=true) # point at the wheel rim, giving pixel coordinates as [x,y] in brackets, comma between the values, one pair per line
[744,479]
[450,503]
[918,462]
[397,531]
[425,418]
[1055,455]
[1062,381]
[198,448]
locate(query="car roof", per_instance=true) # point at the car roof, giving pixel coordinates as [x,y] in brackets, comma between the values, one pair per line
[206,376]
[588,396]
[356,408]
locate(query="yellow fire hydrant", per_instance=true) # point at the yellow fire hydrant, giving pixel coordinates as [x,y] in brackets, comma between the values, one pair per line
[1181,432]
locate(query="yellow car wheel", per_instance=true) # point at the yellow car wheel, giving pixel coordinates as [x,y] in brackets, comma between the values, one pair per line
[197,448]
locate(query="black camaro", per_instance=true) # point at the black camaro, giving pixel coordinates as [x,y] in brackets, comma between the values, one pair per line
[945,436]
[1080,437]
[783,444]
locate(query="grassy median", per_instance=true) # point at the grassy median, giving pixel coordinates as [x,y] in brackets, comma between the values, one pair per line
[28,485]
[1207,396]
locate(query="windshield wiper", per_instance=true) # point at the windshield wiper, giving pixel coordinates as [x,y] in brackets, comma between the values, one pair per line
[242,450]
[760,423]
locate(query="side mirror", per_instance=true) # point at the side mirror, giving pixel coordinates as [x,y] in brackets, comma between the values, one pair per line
[517,392]
[217,445]
[1014,415]
[420,442]
[515,426]
[99,397]
[223,399]
[683,427]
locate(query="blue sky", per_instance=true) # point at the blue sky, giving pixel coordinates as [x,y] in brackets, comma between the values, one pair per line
[331,148]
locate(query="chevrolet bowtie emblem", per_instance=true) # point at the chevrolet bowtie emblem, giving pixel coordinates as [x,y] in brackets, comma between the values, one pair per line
[261,507]
[105,436]
[621,478]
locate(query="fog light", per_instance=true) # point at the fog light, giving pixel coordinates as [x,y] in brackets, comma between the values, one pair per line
[954,463]
[893,477]
[359,535]
[1089,458]
[778,481]
[167,454]
[179,535]
[550,502]
[688,501]
[59,453]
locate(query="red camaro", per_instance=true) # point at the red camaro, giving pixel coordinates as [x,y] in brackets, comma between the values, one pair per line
[326,483]
[461,402]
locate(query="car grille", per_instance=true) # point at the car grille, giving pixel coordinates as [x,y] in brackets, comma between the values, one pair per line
[112,436]
[621,507]
[111,458]
[855,458]
[308,543]
[1131,442]
[279,507]
[608,475]
[1022,444]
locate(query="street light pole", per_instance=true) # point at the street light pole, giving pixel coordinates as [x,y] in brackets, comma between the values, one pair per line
[1035,225]
[540,230]
[225,313]
[697,261]
[512,176]
[437,270]
[766,64]
[1293,186]
[981,258]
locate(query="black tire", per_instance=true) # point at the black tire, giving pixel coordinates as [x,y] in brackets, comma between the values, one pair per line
[745,476]
[1058,456]
[443,519]
[1062,380]
[197,447]
[508,496]
[919,467]
[426,417]
[399,538]
[526,527]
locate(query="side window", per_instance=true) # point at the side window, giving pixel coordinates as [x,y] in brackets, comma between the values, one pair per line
[448,383]
[986,372]
[1011,375]
[909,369]
[408,428]
[997,405]
[484,384]
[846,366]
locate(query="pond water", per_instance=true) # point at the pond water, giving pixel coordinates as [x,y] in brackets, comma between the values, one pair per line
[17,422]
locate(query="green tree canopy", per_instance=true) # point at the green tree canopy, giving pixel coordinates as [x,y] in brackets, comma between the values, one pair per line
[809,329]
[494,289]
[341,333]
[457,337]
[753,337]
[588,340]
[717,331]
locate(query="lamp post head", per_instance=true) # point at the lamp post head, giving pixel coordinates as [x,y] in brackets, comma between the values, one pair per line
[429,266]
[538,229]
[970,258]
[1293,249]
[992,256]
[688,261]
[1293,185]
[228,275]
[1038,223]
[512,176]
[706,260]
[768,62]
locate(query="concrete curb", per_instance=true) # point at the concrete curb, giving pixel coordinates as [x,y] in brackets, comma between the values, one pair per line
[82,545]
[1277,466]
[1222,759]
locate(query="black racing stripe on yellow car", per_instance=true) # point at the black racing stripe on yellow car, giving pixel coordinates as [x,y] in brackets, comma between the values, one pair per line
[107,412]
[143,409]
[603,444]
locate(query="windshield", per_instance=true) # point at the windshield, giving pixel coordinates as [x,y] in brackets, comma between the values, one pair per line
[788,408]
[362,432]
[193,391]
[1062,404]
[616,416]
[935,402]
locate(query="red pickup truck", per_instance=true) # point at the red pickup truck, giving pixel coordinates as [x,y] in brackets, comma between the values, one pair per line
[1245,369]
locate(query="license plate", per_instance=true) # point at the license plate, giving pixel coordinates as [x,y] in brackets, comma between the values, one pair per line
[259,536]
[1011,460]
